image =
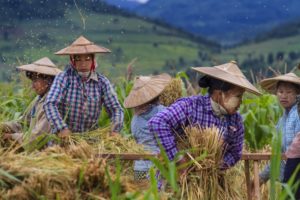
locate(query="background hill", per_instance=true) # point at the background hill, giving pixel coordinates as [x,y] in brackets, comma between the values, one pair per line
[157,46]
[229,21]
[278,48]
[34,29]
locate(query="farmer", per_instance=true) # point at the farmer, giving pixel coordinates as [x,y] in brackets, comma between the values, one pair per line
[41,73]
[286,87]
[227,85]
[76,97]
[143,98]
[293,163]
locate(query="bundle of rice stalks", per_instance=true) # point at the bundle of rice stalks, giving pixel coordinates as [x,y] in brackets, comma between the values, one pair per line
[54,176]
[88,145]
[3,130]
[205,179]
[103,142]
[30,176]
[172,92]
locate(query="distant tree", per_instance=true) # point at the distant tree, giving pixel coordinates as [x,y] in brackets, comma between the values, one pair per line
[262,58]
[155,44]
[181,61]
[279,55]
[249,55]
[270,58]
[202,55]
[293,55]
[155,72]
[116,20]
[254,64]
[196,63]
[118,54]
[154,28]
[109,40]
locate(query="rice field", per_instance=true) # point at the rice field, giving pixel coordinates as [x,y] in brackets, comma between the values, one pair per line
[73,169]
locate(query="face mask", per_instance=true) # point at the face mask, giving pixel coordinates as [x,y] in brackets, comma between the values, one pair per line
[232,103]
[84,74]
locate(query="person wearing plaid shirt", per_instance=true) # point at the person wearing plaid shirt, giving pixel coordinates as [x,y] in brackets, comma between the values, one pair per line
[226,85]
[76,97]
[286,87]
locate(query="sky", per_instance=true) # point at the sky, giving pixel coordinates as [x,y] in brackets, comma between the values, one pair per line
[140,1]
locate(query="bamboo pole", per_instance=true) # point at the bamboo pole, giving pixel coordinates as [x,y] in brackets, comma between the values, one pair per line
[248,182]
[256,180]
[256,157]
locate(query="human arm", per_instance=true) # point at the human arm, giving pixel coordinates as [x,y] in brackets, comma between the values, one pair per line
[233,142]
[54,97]
[164,123]
[113,107]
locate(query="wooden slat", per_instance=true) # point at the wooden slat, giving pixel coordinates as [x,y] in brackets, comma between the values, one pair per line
[248,182]
[258,156]
[256,180]
[126,156]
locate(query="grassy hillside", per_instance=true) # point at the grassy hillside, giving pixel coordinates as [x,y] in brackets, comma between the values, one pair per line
[282,54]
[156,48]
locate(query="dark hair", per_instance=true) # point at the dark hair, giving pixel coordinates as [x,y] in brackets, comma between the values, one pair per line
[296,86]
[214,84]
[32,75]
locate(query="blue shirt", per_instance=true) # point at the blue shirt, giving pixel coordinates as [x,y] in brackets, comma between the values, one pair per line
[142,135]
[288,125]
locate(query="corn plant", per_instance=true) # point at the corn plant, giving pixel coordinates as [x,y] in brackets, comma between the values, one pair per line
[122,90]
[260,115]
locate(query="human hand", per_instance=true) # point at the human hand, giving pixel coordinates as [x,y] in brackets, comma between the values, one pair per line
[182,170]
[7,136]
[114,134]
[64,133]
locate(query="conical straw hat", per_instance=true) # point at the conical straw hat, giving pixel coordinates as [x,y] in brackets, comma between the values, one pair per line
[145,89]
[82,46]
[229,72]
[270,84]
[41,66]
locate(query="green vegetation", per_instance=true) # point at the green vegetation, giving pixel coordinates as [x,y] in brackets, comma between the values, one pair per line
[282,54]
[260,116]
[156,48]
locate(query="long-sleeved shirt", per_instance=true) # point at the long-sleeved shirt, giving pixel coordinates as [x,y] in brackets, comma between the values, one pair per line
[197,110]
[294,149]
[76,104]
[142,135]
[34,117]
[288,125]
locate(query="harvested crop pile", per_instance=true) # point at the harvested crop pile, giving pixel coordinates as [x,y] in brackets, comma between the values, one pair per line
[204,178]
[172,92]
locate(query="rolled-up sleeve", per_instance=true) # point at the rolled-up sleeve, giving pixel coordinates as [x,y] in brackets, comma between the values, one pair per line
[234,145]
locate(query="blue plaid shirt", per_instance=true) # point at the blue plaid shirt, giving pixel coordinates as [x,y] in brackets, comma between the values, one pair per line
[289,126]
[74,104]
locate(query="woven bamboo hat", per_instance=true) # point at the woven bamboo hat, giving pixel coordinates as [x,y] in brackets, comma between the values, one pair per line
[270,84]
[41,66]
[145,89]
[229,72]
[82,46]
